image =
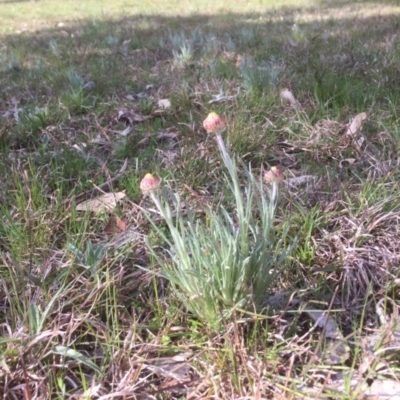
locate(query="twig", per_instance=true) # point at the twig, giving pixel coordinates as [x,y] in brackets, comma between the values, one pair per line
[105,187]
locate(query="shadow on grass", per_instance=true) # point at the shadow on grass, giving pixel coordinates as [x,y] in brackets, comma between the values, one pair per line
[344,3]
[344,45]
[18,1]
[351,58]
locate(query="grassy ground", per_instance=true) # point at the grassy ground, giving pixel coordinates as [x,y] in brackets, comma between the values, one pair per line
[84,311]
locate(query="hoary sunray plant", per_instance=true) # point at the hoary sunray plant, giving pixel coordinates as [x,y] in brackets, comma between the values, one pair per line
[228,261]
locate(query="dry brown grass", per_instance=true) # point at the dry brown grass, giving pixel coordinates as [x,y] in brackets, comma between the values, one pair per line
[81,321]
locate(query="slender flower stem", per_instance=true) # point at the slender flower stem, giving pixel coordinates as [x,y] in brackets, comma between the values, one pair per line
[224,152]
[230,165]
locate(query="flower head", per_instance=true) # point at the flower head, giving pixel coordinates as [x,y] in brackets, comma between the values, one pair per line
[149,183]
[214,123]
[273,175]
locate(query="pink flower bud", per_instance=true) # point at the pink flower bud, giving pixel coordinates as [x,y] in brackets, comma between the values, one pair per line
[274,175]
[214,123]
[149,183]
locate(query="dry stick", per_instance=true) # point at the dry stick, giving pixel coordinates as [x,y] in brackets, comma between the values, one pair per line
[106,186]
[28,394]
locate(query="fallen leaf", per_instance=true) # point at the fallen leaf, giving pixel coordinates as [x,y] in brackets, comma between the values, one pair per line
[89,85]
[79,148]
[99,140]
[170,367]
[164,103]
[350,161]
[336,349]
[287,95]
[106,202]
[387,389]
[115,225]
[130,236]
[356,123]
[354,130]
[125,131]
[298,180]
[136,96]
[267,124]
[220,98]
[323,320]
[158,112]
[131,117]
[167,135]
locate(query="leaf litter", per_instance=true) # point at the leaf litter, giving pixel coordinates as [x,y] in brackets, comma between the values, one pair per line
[164,103]
[115,225]
[360,264]
[107,202]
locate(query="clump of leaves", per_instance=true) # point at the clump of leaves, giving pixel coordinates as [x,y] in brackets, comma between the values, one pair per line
[35,120]
[184,56]
[78,101]
[228,260]
[10,61]
[259,78]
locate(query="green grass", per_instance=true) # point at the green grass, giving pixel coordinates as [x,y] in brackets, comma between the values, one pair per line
[85,313]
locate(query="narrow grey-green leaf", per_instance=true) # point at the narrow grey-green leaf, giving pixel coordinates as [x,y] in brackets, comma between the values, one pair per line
[67,352]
